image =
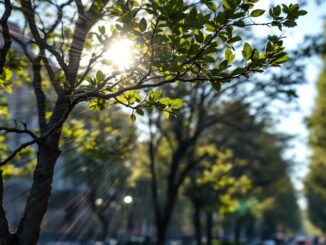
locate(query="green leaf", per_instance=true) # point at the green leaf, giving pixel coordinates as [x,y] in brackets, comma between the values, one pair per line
[238,71]
[282,60]
[166,114]
[229,56]
[155,95]
[133,117]
[101,29]
[135,4]
[100,76]
[89,79]
[210,27]
[211,6]
[234,40]
[5,80]
[142,25]
[177,104]
[226,4]
[122,99]
[223,65]
[302,12]
[216,86]
[199,36]
[140,112]
[277,10]
[165,101]
[98,104]
[257,12]
[246,52]
[192,14]
[239,23]
[255,54]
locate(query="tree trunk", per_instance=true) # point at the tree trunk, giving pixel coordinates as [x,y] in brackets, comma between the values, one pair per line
[30,225]
[197,224]
[161,233]
[162,226]
[6,237]
[209,227]
[29,228]
[237,231]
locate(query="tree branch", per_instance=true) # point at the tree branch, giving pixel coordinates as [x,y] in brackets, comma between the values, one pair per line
[29,14]
[189,168]
[80,7]
[38,140]
[83,96]
[39,94]
[6,34]
[19,131]
[83,25]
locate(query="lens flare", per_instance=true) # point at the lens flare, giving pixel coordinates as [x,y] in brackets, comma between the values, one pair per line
[120,53]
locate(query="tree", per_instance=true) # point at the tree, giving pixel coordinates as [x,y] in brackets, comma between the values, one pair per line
[97,145]
[315,183]
[213,188]
[262,149]
[169,48]
[205,119]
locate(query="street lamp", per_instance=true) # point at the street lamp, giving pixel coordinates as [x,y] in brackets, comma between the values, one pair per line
[99,202]
[128,199]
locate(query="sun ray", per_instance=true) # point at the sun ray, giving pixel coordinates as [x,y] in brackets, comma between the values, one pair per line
[120,53]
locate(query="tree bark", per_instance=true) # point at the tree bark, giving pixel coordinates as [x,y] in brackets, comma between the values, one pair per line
[30,225]
[29,228]
[6,237]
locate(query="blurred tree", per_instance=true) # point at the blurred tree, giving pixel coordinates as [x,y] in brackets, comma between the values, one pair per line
[173,41]
[99,151]
[315,182]
[262,149]
[212,188]
[177,149]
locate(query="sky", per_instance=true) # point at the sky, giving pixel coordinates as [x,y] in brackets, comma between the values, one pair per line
[293,123]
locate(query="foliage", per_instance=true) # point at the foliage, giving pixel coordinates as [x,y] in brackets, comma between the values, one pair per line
[315,181]
[177,41]
[213,186]
[267,169]
[100,144]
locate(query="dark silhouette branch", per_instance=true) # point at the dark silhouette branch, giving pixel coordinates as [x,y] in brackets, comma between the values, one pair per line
[5,33]
[40,139]
[29,14]
[39,94]
[19,131]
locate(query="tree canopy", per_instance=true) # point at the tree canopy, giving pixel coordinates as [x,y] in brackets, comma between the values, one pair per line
[315,183]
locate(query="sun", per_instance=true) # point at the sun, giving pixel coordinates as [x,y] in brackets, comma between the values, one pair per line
[120,53]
